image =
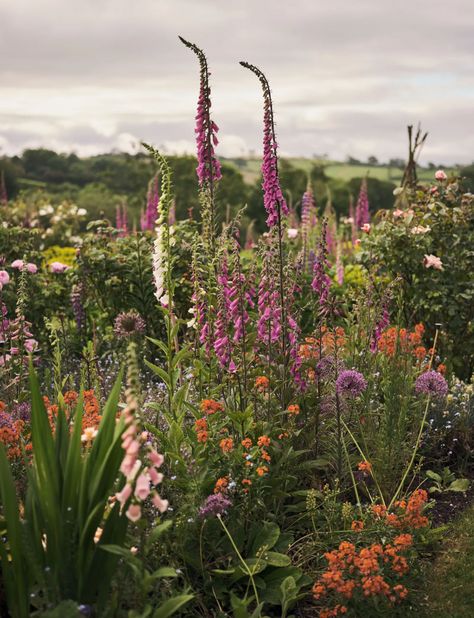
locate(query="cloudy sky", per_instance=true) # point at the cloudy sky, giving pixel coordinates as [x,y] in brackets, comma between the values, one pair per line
[347,76]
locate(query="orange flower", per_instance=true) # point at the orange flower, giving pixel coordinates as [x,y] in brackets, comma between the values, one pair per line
[246,482]
[283,435]
[262,383]
[357,525]
[441,369]
[403,540]
[221,485]
[247,443]
[265,456]
[209,406]
[227,445]
[200,424]
[364,466]
[293,409]
[2,406]
[202,436]
[263,441]
[261,470]
[70,398]
[379,510]
[420,352]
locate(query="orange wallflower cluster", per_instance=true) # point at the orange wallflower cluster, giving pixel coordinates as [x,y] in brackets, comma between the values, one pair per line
[262,383]
[333,340]
[364,466]
[226,445]
[263,441]
[261,470]
[309,349]
[221,485]
[364,570]
[10,436]
[408,513]
[294,409]
[201,429]
[247,443]
[91,416]
[408,341]
[210,406]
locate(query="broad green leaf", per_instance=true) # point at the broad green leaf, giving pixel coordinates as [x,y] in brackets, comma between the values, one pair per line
[171,606]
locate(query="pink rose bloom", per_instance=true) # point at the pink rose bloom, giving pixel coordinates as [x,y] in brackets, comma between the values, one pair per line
[161,505]
[397,213]
[31,345]
[431,261]
[292,232]
[366,228]
[441,175]
[18,264]
[357,242]
[134,512]
[31,268]
[142,488]
[4,277]
[58,267]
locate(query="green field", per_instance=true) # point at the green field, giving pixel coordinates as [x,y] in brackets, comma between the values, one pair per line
[250,169]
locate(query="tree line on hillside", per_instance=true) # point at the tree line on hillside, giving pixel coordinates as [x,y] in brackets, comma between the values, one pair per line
[102,182]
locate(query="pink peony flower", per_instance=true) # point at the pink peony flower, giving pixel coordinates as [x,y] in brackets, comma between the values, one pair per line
[366,228]
[18,264]
[31,268]
[357,242]
[58,267]
[441,175]
[431,261]
[4,277]
[134,512]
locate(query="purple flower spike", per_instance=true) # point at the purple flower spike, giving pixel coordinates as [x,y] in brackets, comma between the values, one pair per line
[362,214]
[273,199]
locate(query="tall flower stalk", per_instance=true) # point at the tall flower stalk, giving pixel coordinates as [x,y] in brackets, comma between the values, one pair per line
[308,220]
[273,199]
[147,220]
[163,280]
[208,169]
[362,214]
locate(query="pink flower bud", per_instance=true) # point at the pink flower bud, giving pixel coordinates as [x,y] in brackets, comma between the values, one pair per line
[441,175]
[124,495]
[142,488]
[161,505]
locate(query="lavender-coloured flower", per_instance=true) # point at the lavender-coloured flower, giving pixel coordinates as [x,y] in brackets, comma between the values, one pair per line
[209,168]
[362,214]
[215,504]
[273,199]
[21,411]
[350,383]
[128,324]
[326,367]
[77,298]
[321,281]
[431,383]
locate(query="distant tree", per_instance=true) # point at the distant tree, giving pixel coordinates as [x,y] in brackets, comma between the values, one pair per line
[353,161]
[467,175]
[372,160]
[398,163]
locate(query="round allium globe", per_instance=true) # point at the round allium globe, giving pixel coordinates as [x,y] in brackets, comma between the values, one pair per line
[215,504]
[350,383]
[129,323]
[431,383]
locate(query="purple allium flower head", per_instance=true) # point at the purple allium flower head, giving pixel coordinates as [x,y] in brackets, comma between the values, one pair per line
[273,199]
[5,420]
[128,324]
[362,214]
[326,367]
[215,504]
[350,383]
[431,383]
[22,411]
[209,168]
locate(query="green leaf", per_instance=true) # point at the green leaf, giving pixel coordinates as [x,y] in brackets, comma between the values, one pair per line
[433,475]
[159,372]
[171,606]
[264,535]
[459,485]
[276,559]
